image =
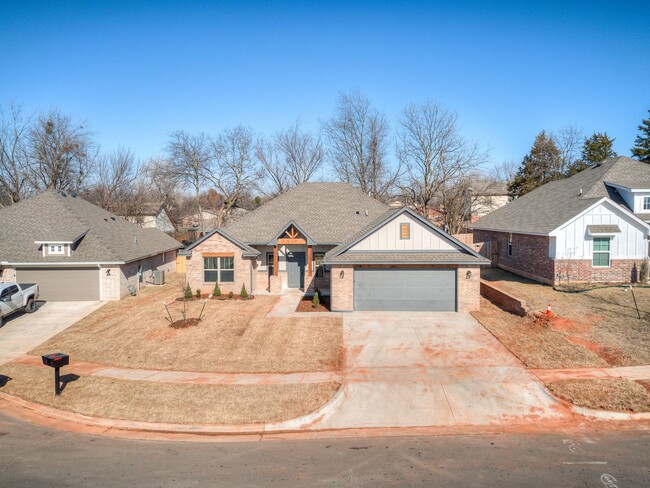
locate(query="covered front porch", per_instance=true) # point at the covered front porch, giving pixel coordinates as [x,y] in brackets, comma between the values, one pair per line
[292,261]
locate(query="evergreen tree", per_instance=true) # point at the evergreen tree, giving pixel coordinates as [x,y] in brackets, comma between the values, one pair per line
[595,149]
[641,149]
[541,165]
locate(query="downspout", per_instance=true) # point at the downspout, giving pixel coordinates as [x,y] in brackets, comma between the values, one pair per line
[250,268]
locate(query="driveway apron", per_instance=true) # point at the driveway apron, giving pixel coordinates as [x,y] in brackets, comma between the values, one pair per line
[412,369]
[22,332]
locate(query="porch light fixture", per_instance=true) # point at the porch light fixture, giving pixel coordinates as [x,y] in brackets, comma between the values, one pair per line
[342,274]
[108,272]
[468,275]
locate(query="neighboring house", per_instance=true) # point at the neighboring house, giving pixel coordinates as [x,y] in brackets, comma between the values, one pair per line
[488,197]
[153,216]
[589,227]
[334,238]
[193,221]
[75,250]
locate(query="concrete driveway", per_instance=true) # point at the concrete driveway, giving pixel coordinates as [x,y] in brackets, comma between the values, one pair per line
[22,332]
[432,369]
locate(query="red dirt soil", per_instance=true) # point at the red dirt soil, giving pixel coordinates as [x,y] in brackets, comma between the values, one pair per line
[613,356]
[306,305]
[182,324]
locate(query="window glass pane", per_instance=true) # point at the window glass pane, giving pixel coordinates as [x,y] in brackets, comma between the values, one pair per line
[601,259]
[601,244]
[227,263]
[210,276]
[646,203]
[209,263]
[227,276]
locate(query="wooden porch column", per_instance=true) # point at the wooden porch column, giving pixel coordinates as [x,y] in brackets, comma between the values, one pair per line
[275,260]
[309,261]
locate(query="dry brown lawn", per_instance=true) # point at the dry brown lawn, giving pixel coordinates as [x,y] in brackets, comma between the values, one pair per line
[233,337]
[165,402]
[597,327]
[614,394]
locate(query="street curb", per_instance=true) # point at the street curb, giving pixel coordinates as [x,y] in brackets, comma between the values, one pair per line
[607,415]
[71,422]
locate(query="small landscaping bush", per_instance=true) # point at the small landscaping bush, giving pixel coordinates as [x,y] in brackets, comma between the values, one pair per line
[198,293]
[643,272]
[217,290]
[230,294]
[188,292]
[316,300]
[243,293]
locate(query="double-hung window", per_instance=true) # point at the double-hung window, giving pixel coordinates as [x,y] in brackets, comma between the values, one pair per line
[646,203]
[509,244]
[601,252]
[270,263]
[219,269]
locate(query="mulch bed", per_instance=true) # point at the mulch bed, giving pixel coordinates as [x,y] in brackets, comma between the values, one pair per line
[183,324]
[220,297]
[306,305]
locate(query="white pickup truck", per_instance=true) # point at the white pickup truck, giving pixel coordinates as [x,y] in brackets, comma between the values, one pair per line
[15,297]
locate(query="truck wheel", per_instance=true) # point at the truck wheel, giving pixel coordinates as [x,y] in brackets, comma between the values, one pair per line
[31,306]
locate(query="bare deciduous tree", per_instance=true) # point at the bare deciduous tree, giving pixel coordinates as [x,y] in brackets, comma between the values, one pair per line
[62,153]
[504,172]
[14,154]
[190,156]
[276,180]
[357,137]
[116,174]
[232,170]
[435,154]
[302,152]
[569,140]
[163,183]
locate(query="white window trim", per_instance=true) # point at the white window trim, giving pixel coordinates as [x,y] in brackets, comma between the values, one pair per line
[58,249]
[646,203]
[608,252]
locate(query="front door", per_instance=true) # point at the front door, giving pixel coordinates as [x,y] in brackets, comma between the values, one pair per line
[295,269]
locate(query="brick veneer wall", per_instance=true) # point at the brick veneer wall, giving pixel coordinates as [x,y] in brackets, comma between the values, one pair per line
[581,270]
[468,289]
[218,244]
[504,300]
[342,288]
[129,272]
[529,254]
[8,274]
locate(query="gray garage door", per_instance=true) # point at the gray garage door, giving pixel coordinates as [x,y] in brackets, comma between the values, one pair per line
[62,284]
[405,289]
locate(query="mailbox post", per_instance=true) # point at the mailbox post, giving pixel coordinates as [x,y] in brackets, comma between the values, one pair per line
[56,361]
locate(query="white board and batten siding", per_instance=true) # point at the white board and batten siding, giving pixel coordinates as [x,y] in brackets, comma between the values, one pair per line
[572,240]
[387,238]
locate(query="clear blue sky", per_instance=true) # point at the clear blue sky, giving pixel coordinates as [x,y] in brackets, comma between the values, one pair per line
[136,71]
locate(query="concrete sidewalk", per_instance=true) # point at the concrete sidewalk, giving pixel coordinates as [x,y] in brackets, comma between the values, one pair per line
[23,332]
[629,372]
[93,369]
[286,306]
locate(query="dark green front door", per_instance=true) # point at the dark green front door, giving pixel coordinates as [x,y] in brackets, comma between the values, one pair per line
[296,269]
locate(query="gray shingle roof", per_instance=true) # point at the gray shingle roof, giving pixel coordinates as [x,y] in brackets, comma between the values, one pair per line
[546,208]
[53,216]
[397,257]
[604,229]
[328,212]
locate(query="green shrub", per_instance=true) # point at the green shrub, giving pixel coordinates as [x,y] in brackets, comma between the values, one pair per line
[188,292]
[198,293]
[230,295]
[643,273]
[243,293]
[217,290]
[316,300]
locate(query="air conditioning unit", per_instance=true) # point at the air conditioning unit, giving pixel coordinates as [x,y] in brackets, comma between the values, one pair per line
[159,277]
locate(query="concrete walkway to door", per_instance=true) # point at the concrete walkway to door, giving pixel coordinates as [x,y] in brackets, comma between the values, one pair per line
[22,332]
[411,369]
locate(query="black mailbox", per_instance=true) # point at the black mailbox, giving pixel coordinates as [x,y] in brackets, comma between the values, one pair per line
[56,360]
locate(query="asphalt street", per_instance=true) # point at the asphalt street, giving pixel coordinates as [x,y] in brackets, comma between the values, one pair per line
[32,456]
